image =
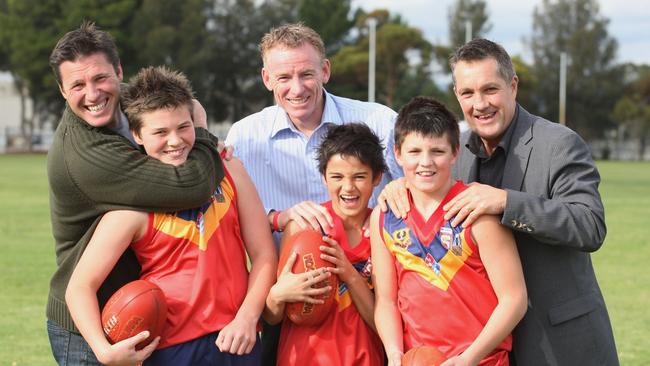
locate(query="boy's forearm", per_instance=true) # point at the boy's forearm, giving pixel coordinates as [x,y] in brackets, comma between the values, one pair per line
[389,327]
[260,281]
[363,298]
[504,318]
[84,310]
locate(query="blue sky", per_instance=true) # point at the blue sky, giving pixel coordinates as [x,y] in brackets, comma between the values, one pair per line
[512,22]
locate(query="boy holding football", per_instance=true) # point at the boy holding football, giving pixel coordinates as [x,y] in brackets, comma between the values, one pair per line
[197,256]
[459,289]
[351,163]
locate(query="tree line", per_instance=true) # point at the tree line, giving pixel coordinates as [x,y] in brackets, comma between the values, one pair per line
[215,43]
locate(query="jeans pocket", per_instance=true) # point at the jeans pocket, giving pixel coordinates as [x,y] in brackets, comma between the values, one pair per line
[59,342]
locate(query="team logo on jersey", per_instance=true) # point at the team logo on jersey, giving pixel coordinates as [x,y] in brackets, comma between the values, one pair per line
[457,245]
[199,222]
[433,263]
[342,288]
[366,271]
[402,238]
[446,237]
[218,195]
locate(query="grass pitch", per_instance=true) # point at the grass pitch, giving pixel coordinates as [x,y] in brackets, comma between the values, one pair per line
[27,258]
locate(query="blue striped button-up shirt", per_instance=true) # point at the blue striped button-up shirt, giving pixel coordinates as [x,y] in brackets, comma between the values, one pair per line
[281,160]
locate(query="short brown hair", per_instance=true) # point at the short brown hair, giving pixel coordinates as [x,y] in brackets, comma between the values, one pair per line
[427,117]
[352,139]
[292,36]
[481,49]
[85,41]
[155,88]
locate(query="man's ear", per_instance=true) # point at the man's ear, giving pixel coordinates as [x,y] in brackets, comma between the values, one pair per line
[120,74]
[266,79]
[63,93]
[514,85]
[326,71]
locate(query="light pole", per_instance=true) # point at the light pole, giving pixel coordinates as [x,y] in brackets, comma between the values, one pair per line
[563,62]
[468,31]
[372,35]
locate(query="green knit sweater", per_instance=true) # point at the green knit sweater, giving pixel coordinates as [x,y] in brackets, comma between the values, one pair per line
[94,170]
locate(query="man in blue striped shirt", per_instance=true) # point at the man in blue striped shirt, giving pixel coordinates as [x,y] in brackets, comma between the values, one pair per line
[277,145]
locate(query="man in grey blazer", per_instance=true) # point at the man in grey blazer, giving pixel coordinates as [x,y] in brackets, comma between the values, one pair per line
[539,177]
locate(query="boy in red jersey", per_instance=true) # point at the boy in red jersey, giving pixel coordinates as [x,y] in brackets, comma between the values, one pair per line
[197,256]
[459,289]
[351,163]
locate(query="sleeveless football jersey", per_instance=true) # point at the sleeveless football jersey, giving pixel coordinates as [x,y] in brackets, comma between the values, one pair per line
[343,338]
[197,257]
[444,294]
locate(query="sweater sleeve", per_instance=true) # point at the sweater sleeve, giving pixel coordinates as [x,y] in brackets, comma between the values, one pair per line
[111,174]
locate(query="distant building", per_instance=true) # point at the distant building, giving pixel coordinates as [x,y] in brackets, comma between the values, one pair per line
[11,137]
[10,107]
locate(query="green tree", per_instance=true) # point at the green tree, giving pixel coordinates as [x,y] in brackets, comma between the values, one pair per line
[632,110]
[462,11]
[333,25]
[234,85]
[29,30]
[215,43]
[173,33]
[593,79]
[459,12]
[527,87]
[401,51]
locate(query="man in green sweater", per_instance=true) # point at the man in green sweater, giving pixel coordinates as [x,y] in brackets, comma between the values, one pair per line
[94,166]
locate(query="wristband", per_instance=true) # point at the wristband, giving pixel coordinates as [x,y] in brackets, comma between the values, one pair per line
[276,225]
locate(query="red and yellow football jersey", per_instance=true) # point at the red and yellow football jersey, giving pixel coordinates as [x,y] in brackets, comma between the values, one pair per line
[343,338]
[197,257]
[444,294]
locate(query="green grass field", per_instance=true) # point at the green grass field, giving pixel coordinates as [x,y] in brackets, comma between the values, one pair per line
[27,258]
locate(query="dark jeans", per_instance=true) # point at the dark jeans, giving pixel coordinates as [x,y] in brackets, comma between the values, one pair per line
[69,348]
[202,351]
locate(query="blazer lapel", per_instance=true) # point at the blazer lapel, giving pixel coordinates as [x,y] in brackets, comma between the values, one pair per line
[520,147]
[465,167]
[471,168]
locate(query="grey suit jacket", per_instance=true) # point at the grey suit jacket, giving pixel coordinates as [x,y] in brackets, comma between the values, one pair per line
[555,212]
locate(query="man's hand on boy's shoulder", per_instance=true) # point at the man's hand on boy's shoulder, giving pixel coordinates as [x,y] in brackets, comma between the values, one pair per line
[478,199]
[395,196]
[307,215]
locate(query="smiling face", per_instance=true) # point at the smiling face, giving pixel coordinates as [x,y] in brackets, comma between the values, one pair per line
[296,77]
[487,100]
[167,134]
[91,86]
[349,184]
[426,162]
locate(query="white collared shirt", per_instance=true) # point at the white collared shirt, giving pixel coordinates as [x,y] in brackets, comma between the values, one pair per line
[281,160]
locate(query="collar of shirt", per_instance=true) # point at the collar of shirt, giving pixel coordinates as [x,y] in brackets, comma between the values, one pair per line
[122,127]
[281,122]
[475,144]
